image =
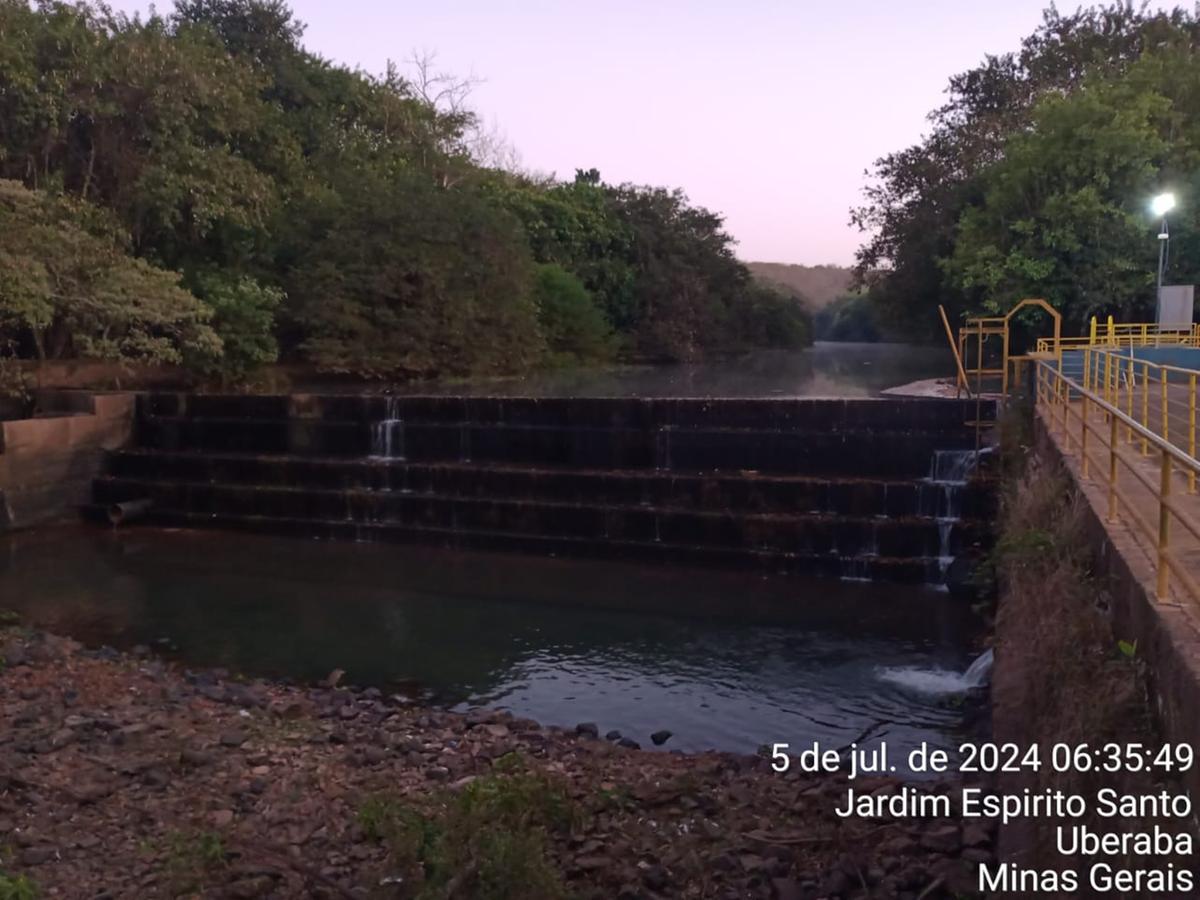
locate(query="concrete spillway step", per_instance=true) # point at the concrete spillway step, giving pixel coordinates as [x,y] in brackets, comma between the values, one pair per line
[909,570]
[853,488]
[742,492]
[815,437]
[687,450]
[803,533]
[859,415]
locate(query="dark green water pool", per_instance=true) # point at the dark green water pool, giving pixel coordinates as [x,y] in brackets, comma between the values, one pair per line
[720,659]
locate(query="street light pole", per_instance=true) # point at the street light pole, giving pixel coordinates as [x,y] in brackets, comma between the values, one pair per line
[1164,238]
[1160,206]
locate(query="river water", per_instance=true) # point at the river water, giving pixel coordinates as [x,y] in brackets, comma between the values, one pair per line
[823,370]
[722,660]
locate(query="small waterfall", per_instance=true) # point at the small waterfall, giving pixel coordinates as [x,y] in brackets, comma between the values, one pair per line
[948,474]
[941,681]
[387,436]
[979,671]
[858,568]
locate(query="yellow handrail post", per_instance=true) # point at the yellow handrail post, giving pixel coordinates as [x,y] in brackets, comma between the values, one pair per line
[1065,392]
[979,362]
[1112,468]
[1192,431]
[962,375]
[1164,524]
[1108,378]
[1112,332]
[1108,367]
[1004,362]
[1129,399]
[1145,406]
[1092,333]
[1083,435]
[1087,365]
[1166,416]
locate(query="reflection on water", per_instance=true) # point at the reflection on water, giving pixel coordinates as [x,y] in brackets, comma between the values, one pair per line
[720,659]
[823,370]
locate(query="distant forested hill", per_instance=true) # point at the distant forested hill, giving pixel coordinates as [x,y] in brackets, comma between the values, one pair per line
[819,285]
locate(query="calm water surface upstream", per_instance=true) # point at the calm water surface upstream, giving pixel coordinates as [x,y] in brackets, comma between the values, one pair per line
[823,370]
[722,660]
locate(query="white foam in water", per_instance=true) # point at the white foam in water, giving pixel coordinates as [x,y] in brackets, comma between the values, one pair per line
[940,681]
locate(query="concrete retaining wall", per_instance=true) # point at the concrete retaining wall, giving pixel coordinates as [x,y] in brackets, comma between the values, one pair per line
[47,464]
[1167,634]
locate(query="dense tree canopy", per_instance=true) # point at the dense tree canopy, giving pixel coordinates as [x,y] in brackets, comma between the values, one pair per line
[68,288]
[1036,175]
[848,318]
[343,219]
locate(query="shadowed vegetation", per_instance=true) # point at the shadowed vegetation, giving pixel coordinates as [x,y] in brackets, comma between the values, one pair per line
[489,839]
[1036,175]
[235,199]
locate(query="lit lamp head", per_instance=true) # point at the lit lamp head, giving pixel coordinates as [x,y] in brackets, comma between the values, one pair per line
[1162,204]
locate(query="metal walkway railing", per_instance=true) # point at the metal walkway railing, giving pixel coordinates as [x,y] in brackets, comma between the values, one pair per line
[1143,472]
[1124,334]
[1161,398]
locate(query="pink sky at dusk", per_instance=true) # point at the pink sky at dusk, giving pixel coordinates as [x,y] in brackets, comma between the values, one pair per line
[764,110]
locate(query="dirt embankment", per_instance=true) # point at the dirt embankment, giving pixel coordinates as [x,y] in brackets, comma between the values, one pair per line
[124,777]
[1062,676]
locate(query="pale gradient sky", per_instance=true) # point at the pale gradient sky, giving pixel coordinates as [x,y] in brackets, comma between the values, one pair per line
[764,110]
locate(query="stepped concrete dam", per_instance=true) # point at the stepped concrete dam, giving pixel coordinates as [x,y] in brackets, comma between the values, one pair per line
[734,570]
[872,489]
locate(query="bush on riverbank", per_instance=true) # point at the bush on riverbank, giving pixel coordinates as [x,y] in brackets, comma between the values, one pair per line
[487,840]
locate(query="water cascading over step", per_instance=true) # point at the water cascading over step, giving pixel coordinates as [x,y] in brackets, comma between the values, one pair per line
[949,471]
[842,488]
[387,435]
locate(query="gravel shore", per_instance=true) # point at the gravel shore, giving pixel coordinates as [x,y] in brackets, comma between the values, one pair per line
[126,776]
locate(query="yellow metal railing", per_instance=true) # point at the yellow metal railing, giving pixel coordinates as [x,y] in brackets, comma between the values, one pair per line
[1161,398]
[1088,417]
[961,383]
[1125,334]
[976,333]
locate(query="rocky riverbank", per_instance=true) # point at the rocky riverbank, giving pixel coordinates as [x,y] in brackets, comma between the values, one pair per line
[124,776]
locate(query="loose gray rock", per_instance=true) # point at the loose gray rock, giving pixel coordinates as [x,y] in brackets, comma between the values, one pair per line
[35,856]
[944,839]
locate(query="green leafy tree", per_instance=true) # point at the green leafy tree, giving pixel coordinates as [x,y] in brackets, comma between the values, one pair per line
[243,316]
[574,328]
[917,196]
[1064,212]
[135,117]
[849,318]
[686,275]
[404,278]
[338,217]
[67,288]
